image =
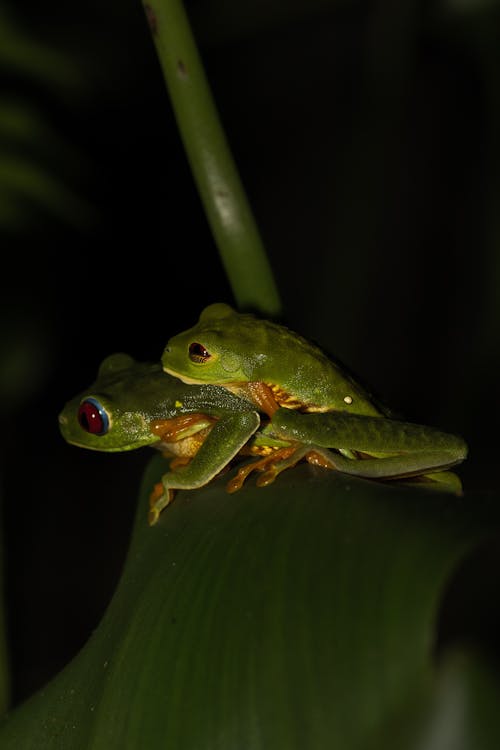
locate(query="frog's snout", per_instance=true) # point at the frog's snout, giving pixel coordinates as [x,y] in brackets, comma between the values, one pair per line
[62,419]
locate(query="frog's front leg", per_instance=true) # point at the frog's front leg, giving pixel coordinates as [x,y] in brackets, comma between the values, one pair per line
[224,441]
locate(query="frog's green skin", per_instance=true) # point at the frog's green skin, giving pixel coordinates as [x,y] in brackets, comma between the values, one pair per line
[245,354]
[133,394]
[246,349]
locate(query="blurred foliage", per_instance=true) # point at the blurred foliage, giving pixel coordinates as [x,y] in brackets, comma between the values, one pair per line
[32,153]
[367,135]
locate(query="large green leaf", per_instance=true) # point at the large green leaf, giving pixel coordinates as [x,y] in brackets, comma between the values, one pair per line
[296,616]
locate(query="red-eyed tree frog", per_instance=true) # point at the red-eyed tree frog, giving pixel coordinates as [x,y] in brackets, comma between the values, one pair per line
[305,393]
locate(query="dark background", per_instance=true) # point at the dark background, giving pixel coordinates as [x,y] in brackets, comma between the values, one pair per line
[367,139]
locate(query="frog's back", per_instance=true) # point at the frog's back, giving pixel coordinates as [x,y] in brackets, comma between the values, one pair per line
[299,372]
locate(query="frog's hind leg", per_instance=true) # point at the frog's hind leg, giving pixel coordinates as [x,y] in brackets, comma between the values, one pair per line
[440,481]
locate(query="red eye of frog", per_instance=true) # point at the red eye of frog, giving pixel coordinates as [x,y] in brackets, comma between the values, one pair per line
[198,353]
[93,417]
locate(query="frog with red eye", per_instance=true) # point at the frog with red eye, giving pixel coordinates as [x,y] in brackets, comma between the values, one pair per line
[202,428]
[133,404]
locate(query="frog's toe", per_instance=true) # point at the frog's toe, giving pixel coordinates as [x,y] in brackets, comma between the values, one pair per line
[153,516]
[156,494]
[158,500]
[270,466]
[288,461]
[267,477]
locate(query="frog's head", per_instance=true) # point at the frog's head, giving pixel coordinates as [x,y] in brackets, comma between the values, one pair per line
[103,418]
[213,351]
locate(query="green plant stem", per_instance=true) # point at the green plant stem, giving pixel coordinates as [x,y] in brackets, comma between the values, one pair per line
[212,164]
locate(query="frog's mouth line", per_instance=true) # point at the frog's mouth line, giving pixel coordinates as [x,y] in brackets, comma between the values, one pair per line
[183,378]
[233,386]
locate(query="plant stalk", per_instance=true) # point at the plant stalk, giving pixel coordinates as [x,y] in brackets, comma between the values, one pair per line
[226,205]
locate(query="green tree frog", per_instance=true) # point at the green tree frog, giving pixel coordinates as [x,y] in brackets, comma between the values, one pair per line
[133,404]
[307,394]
